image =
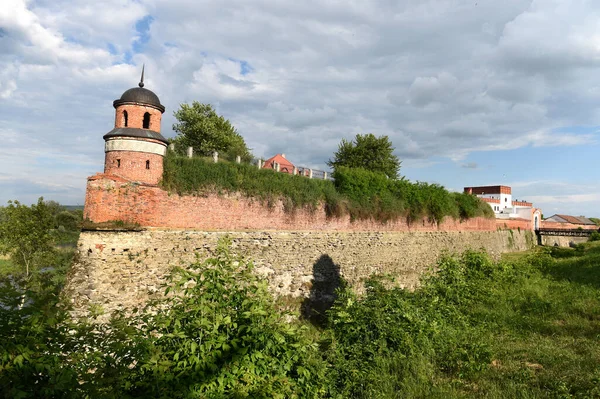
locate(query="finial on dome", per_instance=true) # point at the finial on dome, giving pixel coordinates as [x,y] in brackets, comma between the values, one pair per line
[141,84]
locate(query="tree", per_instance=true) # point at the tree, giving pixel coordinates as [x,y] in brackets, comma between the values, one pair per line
[199,126]
[25,235]
[367,152]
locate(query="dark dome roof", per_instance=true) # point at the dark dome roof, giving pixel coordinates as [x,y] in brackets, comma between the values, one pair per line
[135,132]
[141,96]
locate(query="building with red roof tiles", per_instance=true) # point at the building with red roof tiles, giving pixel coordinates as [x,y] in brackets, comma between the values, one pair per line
[579,220]
[285,166]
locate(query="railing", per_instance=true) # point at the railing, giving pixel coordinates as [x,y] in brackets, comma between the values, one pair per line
[566,232]
[298,170]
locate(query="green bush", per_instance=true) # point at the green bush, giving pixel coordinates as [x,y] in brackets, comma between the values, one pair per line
[595,236]
[360,193]
[369,194]
[215,333]
[372,194]
[197,175]
[522,327]
[221,337]
[423,333]
[68,220]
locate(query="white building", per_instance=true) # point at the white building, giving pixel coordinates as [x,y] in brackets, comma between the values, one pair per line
[500,200]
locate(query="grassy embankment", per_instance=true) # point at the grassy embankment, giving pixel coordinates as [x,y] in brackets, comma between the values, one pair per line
[527,327]
[355,192]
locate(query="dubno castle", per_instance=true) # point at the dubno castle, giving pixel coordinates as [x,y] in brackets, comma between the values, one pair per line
[295,251]
[128,190]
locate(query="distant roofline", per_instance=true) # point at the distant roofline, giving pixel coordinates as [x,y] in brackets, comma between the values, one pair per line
[480,190]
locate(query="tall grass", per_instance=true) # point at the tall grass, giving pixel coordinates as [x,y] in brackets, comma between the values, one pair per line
[526,327]
[356,192]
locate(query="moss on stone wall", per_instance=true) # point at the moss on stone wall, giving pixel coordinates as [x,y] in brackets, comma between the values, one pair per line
[116,269]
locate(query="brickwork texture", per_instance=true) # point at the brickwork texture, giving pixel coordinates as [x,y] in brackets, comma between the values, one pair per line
[135,116]
[109,199]
[135,166]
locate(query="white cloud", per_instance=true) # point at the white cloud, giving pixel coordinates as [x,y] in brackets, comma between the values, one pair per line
[442,78]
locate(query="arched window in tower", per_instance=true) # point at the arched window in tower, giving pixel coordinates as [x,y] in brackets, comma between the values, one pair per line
[147,164]
[118,163]
[146,124]
[125,119]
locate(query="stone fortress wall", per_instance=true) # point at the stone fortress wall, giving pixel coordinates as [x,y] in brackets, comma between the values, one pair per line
[295,250]
[123,269]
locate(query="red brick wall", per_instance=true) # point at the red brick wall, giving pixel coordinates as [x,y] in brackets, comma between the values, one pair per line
[514,224]
[135,116]
[132,166]
[109,198]
[565,226]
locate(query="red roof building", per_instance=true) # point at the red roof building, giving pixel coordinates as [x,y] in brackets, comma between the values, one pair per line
[285,166]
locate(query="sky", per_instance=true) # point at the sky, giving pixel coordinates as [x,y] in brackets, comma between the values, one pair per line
[480,92]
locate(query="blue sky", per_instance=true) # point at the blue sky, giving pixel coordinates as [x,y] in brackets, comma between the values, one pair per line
[470,94]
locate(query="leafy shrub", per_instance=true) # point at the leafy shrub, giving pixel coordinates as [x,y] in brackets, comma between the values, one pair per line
[421,332]
[215,333]
[68,220]
[595,236]
[369,194]
[372,194]
[358,192]
[196,175]
[469,206]
[218,334]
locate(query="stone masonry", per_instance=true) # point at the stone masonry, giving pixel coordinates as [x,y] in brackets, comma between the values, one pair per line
[123,269]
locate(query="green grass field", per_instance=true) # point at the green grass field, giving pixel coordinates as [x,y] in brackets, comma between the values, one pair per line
[6,267]
[530,330]
[544,329]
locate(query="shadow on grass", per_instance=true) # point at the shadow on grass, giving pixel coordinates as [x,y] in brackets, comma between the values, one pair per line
[326,279]
[580,265]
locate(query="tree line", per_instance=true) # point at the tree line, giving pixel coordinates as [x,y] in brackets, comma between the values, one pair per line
[200,127]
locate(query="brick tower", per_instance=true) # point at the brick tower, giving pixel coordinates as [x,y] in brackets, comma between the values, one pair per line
[134,149]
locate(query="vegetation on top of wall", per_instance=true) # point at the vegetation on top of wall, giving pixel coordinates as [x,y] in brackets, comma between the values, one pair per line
[368,152]
[372,193]
[199,126]
[198,175]
[360,193]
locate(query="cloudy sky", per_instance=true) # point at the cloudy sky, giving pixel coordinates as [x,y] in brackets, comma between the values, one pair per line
[473,92]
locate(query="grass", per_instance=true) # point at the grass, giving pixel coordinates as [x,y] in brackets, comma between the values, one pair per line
[545,330]
[526,327]
[111,225]
[7,268]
